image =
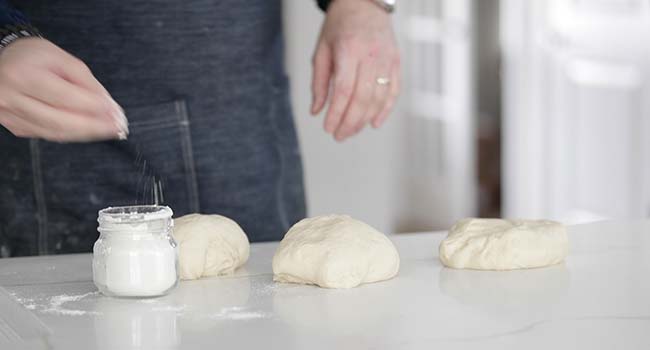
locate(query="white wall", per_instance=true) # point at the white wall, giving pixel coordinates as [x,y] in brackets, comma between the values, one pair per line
[360,177]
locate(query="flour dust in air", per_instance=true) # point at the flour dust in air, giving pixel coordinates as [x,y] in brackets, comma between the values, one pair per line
[149,186]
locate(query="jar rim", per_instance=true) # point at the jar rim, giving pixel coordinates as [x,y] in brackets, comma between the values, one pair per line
[134,213]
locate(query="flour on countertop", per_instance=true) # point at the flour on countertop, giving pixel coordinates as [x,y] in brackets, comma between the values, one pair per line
[149,301]
[28,303]
[264,290]
[238,313]
[174,308]
[54,304]
[59,300]
[57,305]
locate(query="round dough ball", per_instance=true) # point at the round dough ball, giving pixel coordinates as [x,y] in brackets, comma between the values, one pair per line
[496,244]
[209,245]
[334,251]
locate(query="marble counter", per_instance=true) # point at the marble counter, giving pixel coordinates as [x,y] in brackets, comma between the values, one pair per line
[598,299]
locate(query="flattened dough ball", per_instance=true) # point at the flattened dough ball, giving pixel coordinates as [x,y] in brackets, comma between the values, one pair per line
[496,244]
[334,251]
[209,245]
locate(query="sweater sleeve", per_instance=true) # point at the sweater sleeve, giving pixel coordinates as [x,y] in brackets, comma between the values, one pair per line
[323,4]
[13,25]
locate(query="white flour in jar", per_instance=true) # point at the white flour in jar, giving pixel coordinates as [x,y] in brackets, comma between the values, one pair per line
[135,256]
[148,271]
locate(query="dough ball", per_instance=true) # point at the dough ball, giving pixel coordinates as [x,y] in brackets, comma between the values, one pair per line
[209,245]
[496,244]
[334,251]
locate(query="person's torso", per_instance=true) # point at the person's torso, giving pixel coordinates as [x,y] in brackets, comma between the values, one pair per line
[203,86]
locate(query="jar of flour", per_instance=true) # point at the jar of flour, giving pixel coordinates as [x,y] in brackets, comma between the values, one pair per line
[135,255]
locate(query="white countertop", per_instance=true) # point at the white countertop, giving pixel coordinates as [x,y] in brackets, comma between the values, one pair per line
[598,299]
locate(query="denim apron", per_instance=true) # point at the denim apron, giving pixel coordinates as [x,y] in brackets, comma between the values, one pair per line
[211,129]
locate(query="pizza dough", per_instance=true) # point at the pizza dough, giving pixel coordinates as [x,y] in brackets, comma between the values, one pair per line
[496,244]
[334,251]
[209,245]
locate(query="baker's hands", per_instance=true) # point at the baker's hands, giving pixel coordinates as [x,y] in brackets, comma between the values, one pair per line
[356,47]
[47,93]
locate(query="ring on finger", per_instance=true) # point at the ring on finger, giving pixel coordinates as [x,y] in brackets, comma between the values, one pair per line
[383,81]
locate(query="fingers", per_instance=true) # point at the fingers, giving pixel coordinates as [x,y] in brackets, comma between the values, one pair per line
[361,99]
[322,67]
[59,125]
[389,103]
[368,101]
[48,93]
[380,95]
[60,93]
[345,72]
[76,72]
[20,127]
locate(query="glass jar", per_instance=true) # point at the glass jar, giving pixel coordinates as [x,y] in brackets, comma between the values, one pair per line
[135,255]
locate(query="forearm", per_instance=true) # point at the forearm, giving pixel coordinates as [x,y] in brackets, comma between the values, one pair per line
[13,25]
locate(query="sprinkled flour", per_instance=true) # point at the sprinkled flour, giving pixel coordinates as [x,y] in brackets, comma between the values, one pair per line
[149,301]
[172,308]
[63,304]
[238,313]
[55,304]
[28,303]
[264,290]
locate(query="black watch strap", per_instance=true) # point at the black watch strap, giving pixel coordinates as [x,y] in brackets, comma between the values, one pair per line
[324,4]
[12,32]
[13,25]
[388,6]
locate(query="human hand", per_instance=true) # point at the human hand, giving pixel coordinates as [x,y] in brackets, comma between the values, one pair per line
[47,93]
[356,49]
